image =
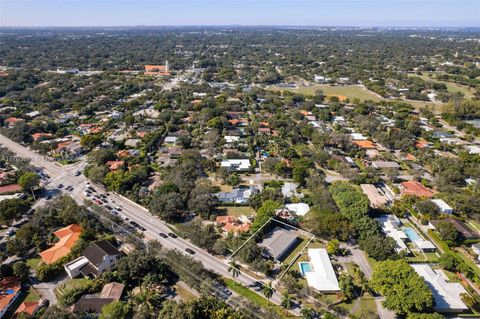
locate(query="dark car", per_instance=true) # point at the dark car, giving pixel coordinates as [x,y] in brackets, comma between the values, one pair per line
[104,200]
[108,207]
[172,235]
[163,235]
[142,228]
[190,251]
[77,173]
[60,186]
[103,196]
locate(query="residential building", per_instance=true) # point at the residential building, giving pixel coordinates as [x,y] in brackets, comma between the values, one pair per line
[94,303]
[442,206]
[465,231]
[234,225]
[10,288]
[319,271]
[376,198]
[447,295]
[28,308]
[279,243]
[97,258]
[290,190]
[300,209]
[67,237]
[236,164]
[237,195]
[414,188]
[390,225]
[385,164]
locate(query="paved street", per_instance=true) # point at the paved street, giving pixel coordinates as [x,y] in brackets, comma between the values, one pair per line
[65,175]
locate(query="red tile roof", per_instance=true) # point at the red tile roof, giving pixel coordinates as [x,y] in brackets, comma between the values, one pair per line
[9,288]
[28,307]
[364,144]
[114,165]
[68,236]
[416,189]
[12,188]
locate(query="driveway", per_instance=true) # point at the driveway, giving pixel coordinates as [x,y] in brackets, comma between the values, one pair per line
[47,289]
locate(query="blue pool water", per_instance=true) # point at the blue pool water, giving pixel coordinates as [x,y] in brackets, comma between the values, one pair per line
[304,267]
[411,233]
[10,291]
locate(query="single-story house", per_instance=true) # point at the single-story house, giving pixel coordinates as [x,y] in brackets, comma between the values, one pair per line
[447,295]
[67,238]
[300,209]
[231,224]
[319,271]
[442,206]
[376,198]
[414,188]
[94,303]
[385,164]
[236,164]
[237,195]
[279,243]
[390,225]
[465,231]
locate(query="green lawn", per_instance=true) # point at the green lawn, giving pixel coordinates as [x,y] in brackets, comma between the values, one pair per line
[32,295]
[237,211]
[452,87]
[349,91]
[71,284]
[33,263]
[293,255]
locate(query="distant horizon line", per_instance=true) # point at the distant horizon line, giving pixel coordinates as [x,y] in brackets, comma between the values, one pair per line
[244,25]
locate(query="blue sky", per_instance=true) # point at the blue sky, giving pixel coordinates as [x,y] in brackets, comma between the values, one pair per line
[245,12]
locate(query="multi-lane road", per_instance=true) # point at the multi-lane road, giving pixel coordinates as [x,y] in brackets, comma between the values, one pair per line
[154,226]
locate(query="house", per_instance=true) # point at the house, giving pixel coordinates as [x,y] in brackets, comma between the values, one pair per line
[231,224]
[97,258]
[11,121]
[364,144]
[319,79]
[390,225]
[473,149]
[300,209]
[10,189]
[37,136]
[465,231]
[170,140]
[67,237]
[157,70]
[69,147]
[358,137]
[115,165]
[414,188]
[10,288]
[237,195]
[442,206]
[236,164]
[132,142]
[279,243]
[319,271]
[376,198]
[94,303]
[385,164]
[447,295]
[28,308]
[290,190]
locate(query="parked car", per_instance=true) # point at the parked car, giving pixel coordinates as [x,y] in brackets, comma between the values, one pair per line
[172,235]
[60,186]
[190,251]
[163,235]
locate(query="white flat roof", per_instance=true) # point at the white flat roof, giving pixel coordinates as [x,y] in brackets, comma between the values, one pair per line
[241,163]
[322,277]
[77,263]
[424,244]
[441,204]
[446,294]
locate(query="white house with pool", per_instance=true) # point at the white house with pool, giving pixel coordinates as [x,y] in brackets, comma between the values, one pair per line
[319,271]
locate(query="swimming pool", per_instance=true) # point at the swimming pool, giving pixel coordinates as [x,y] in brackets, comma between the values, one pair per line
[411,233]
[304,267]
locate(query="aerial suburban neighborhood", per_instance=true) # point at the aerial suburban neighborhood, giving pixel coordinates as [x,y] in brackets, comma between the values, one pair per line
[240,172]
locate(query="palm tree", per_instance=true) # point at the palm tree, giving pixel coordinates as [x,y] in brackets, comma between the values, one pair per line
[234,268]
[268,290]
[286,302]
